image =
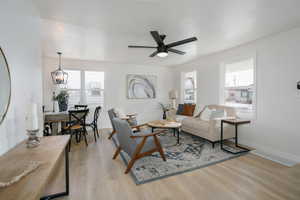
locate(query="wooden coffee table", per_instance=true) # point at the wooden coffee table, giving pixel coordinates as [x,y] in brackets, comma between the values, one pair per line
[165,124]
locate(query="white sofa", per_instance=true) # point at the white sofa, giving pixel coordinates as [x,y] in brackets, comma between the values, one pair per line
[207,129]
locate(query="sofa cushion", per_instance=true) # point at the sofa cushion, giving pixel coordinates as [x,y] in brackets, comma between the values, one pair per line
[195,124]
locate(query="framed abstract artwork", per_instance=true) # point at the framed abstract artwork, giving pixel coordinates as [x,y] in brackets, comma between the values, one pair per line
[141,86]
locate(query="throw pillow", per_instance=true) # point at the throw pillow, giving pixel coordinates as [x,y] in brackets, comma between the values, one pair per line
[188,109]
[206,114]
[217,114]
[197,111]
[180,109]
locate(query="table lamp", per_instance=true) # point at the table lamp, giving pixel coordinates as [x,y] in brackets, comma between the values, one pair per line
[173,95]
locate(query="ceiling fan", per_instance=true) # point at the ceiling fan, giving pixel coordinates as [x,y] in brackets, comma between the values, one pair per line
[162,49]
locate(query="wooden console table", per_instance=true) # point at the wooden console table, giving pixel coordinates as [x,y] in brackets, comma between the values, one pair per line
[31,187]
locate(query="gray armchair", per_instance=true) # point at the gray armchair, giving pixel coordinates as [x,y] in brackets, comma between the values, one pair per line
[112,115]
[136,145]
[131,119]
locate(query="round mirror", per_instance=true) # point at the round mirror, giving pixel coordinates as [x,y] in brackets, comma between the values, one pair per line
[5,87]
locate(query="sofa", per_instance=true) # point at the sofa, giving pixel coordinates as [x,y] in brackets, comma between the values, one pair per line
[207,127]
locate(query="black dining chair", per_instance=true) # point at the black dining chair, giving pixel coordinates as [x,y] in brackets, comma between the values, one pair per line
[79,106]
[94,123]
[76,125]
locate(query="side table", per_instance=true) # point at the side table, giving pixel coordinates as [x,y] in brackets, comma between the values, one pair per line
[234,122]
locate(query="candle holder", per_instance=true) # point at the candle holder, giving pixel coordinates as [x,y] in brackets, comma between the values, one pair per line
[33,140]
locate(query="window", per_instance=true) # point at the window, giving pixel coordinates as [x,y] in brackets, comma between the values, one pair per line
[94,88]
[85,87]
[239,86]
[189,87]
[74,86]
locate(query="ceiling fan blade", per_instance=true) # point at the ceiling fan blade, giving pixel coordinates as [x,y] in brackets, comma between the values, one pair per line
[157,37]
[192,39]
[162,37]
[176,51]
[148,47]
[154,54]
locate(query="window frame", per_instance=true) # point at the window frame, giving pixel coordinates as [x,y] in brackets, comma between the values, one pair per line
[253,114]
[183,78]
[83,90]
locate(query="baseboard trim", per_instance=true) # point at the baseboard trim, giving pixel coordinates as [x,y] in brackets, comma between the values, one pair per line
[274,155]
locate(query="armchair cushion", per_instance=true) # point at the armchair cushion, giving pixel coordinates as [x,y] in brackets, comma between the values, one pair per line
[144,131]
[149,145]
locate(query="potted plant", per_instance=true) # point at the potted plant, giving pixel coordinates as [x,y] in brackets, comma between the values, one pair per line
[62,98]
[165,108]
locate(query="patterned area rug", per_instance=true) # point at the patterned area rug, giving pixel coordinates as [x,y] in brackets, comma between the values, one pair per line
[192,153]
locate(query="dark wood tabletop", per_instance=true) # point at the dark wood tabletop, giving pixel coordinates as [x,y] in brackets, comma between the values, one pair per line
[236,121]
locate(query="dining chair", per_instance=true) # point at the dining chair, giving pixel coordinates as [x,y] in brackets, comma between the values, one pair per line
[136,145]
[76,125]
[47,128]
[94,123]
[79,106]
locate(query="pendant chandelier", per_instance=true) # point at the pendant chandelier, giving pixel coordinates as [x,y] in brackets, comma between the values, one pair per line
[59,77]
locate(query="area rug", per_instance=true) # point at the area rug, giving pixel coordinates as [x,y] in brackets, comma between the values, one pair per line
[192,153]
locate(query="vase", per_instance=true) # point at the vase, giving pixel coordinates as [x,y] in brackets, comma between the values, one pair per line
[164,115]
[63,106]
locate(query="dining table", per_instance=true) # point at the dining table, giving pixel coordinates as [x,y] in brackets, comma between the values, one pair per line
[56,118]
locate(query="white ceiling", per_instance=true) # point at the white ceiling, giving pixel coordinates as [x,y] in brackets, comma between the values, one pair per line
[102,29]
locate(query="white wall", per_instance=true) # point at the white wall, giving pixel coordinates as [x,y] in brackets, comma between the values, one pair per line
[115,86]
[275,132]
[20,41]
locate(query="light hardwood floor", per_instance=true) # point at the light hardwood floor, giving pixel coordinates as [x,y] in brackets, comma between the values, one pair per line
[94,175]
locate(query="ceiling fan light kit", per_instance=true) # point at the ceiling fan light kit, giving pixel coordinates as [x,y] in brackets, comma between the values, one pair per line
[162,54]
[163,49]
